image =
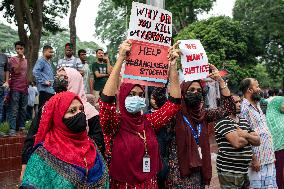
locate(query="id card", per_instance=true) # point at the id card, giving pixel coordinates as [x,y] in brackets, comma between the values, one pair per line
[146,164]
[199,151]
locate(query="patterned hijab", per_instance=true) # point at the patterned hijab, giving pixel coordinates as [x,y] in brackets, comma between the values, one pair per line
[275,122]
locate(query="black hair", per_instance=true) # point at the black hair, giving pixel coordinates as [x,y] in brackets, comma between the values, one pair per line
[81,51]
[271,92]
[68,45]
[159,94]
[20,43]
[245,84]
[46,47]
[99,50]
[276,92]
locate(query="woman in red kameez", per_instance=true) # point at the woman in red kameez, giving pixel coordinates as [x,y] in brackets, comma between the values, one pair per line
[132,149]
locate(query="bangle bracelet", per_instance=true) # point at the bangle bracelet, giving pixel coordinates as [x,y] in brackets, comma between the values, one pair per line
[225,86]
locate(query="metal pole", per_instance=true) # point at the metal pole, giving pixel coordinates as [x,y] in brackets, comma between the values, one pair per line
[156,3]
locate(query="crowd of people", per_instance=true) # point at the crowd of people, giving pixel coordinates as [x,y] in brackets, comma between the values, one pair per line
[92,130]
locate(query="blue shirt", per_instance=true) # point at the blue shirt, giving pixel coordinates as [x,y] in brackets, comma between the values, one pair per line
[43,72]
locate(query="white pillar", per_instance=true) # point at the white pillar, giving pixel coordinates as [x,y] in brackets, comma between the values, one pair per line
[156,3]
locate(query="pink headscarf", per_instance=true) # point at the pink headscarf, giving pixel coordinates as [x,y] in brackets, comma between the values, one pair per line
[76,85]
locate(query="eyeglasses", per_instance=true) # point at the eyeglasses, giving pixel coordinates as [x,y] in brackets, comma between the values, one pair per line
[20,48]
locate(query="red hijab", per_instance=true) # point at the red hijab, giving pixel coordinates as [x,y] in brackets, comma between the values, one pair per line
[128,148]
[187,149]
[69,147]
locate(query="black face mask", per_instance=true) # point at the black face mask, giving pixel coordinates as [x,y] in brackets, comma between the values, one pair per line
[77,123]
[193,99]
[60,85]
[256,97]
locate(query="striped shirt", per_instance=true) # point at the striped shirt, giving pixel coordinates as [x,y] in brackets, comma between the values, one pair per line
[230,159]
[257,121]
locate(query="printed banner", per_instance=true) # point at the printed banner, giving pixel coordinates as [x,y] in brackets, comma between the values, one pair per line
[194,60]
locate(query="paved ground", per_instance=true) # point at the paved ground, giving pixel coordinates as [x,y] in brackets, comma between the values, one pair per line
[215,181]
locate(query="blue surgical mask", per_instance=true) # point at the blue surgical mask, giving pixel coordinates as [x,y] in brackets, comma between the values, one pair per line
[134,104]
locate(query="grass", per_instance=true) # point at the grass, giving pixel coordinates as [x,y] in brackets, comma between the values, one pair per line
[4,127]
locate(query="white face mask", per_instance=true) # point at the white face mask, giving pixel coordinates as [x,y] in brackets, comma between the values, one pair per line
[134,104]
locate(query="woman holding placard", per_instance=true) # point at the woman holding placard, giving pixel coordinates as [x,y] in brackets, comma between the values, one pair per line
[190,158]
[132,149]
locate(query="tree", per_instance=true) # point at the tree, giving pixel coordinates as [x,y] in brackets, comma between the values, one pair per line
[184,11]
[226,44]
[113,18]
[31,17]
[74,6]
[8,37]
[264,20]
[58,40]
[111,26]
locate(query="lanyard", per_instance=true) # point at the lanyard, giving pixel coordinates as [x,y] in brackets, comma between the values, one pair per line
[195,135]
[144,138]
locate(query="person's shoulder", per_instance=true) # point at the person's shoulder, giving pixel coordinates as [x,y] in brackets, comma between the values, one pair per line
[223,121]
[3,55]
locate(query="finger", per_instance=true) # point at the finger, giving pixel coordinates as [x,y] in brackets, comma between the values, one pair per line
[175,46]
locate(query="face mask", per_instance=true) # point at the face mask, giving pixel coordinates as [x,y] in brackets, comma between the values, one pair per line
[255,96]
[77,123]
[134,104]
[60,85]
[193,99]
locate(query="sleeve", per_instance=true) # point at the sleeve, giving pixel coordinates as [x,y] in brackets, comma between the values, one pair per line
[6,64]
[11,64]
[221,112]
[223,129]
[30,139]
[59,64]
[162,116]
[109,120]
[37,72]
[245,113]
[96,133]
[79,64]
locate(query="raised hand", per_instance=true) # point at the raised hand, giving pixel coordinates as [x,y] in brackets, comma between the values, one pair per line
[124,48]
[174,53]
[215,73]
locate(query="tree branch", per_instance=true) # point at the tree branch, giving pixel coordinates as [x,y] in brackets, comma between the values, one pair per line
[28,16]
[20,20]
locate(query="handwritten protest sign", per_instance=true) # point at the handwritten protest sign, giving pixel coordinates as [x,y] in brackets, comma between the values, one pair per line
[194,60]
[150,24]
[150,30]
[147,62]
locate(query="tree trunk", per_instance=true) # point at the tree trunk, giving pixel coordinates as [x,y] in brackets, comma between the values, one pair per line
[74,6]
[34,20]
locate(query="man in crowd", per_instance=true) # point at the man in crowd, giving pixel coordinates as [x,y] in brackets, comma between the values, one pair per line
[32,93]
[44,75]
[234,137]
[262,173]
[85,70]
[101,70]
[69,60]
[18,68]
[4,77]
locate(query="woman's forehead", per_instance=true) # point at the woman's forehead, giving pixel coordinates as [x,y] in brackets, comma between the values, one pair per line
[195,85]
[137,89]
